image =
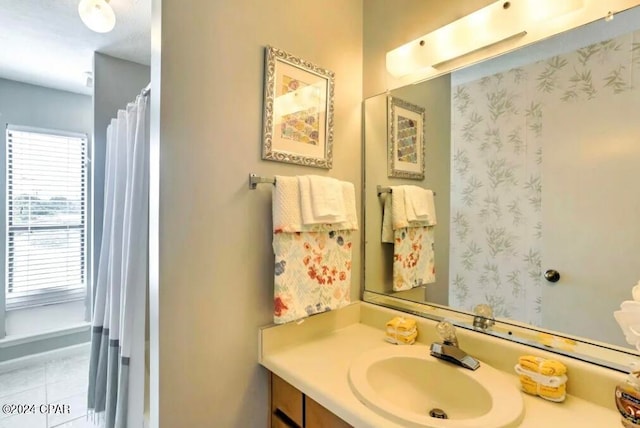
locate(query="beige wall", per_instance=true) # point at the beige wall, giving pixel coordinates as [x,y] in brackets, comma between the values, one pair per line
[435,97]
[215,283]
[389,24]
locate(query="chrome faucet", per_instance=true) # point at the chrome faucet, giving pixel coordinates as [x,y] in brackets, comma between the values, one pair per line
[448,349]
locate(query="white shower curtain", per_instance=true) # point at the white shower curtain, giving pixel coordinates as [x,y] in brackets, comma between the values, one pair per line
[117,365]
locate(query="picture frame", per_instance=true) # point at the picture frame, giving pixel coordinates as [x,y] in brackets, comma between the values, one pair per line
[298,111]
[406,146]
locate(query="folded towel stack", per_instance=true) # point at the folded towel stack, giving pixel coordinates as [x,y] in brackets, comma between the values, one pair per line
[542,377]
[628,317]
[313,220]
[299,207]
[408,222]
[401,331]
[322,199]
[419,205]
[407,206]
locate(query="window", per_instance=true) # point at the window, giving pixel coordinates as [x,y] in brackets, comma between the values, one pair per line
[46,234]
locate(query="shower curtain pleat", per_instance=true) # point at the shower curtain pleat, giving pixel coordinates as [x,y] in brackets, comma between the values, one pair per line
[135,255]
[116,371]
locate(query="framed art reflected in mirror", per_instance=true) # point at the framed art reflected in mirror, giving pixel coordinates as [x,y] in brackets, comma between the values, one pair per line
[406,139]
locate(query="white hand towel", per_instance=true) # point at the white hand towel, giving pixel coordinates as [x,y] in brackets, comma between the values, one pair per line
[349,202]
[285,198]
[326,197]
[306,205]
[387,224]
[398,208]
[419,205]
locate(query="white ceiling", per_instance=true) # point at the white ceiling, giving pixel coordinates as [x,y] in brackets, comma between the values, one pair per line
[44,42]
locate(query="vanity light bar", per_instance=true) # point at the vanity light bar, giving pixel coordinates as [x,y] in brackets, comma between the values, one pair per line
[493,24]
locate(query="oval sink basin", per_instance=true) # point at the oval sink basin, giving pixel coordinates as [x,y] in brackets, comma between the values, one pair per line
[407,385]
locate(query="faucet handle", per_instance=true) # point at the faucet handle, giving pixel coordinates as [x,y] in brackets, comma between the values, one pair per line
[483,310]
[483,318]
[447,332]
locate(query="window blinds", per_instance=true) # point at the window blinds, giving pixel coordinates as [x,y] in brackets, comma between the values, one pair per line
[46,222]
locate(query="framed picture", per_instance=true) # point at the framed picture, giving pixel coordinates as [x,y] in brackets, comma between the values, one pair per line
[405,155]
[298,111]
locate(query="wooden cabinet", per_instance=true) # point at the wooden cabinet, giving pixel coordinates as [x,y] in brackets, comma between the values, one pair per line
[316,416]
[287,404]
[290,408]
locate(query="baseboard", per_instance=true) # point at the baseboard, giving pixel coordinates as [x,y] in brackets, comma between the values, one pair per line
[69,351]
[14,340]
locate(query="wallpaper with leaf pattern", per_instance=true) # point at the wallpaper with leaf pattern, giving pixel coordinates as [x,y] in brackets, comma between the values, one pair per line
[498,134]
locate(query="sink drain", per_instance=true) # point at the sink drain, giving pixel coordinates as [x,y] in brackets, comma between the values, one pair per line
[438,414]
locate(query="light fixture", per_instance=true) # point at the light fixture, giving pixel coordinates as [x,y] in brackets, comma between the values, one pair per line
[97,15]
[493,24]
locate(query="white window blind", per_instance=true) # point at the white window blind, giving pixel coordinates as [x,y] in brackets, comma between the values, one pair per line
[46,222]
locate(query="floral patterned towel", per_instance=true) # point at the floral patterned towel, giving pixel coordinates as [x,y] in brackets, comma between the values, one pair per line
[413,257]
[312,273]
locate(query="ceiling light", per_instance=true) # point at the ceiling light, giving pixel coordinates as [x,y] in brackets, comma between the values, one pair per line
[97,15]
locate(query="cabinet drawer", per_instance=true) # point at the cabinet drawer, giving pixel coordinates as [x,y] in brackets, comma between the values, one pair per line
[280,421]
[285,399]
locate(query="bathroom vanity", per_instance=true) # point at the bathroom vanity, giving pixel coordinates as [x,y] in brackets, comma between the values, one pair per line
[291,408]
[311,362]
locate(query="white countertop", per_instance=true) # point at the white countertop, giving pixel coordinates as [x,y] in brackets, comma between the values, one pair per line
[318,366]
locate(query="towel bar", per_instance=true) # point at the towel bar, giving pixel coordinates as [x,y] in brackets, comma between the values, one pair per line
[254,180]
[382,190]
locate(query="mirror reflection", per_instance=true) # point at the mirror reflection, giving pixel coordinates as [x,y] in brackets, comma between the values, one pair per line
[533,159]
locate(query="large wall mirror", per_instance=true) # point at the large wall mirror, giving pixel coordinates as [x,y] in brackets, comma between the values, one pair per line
[534,158]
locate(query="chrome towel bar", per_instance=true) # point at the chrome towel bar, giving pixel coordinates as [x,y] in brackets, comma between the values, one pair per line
[254,180]
[382,190]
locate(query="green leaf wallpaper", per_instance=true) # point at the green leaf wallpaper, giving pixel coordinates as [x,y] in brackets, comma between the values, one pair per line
[498,134]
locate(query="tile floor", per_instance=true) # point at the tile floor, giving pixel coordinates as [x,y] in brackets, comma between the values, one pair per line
[57,381]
